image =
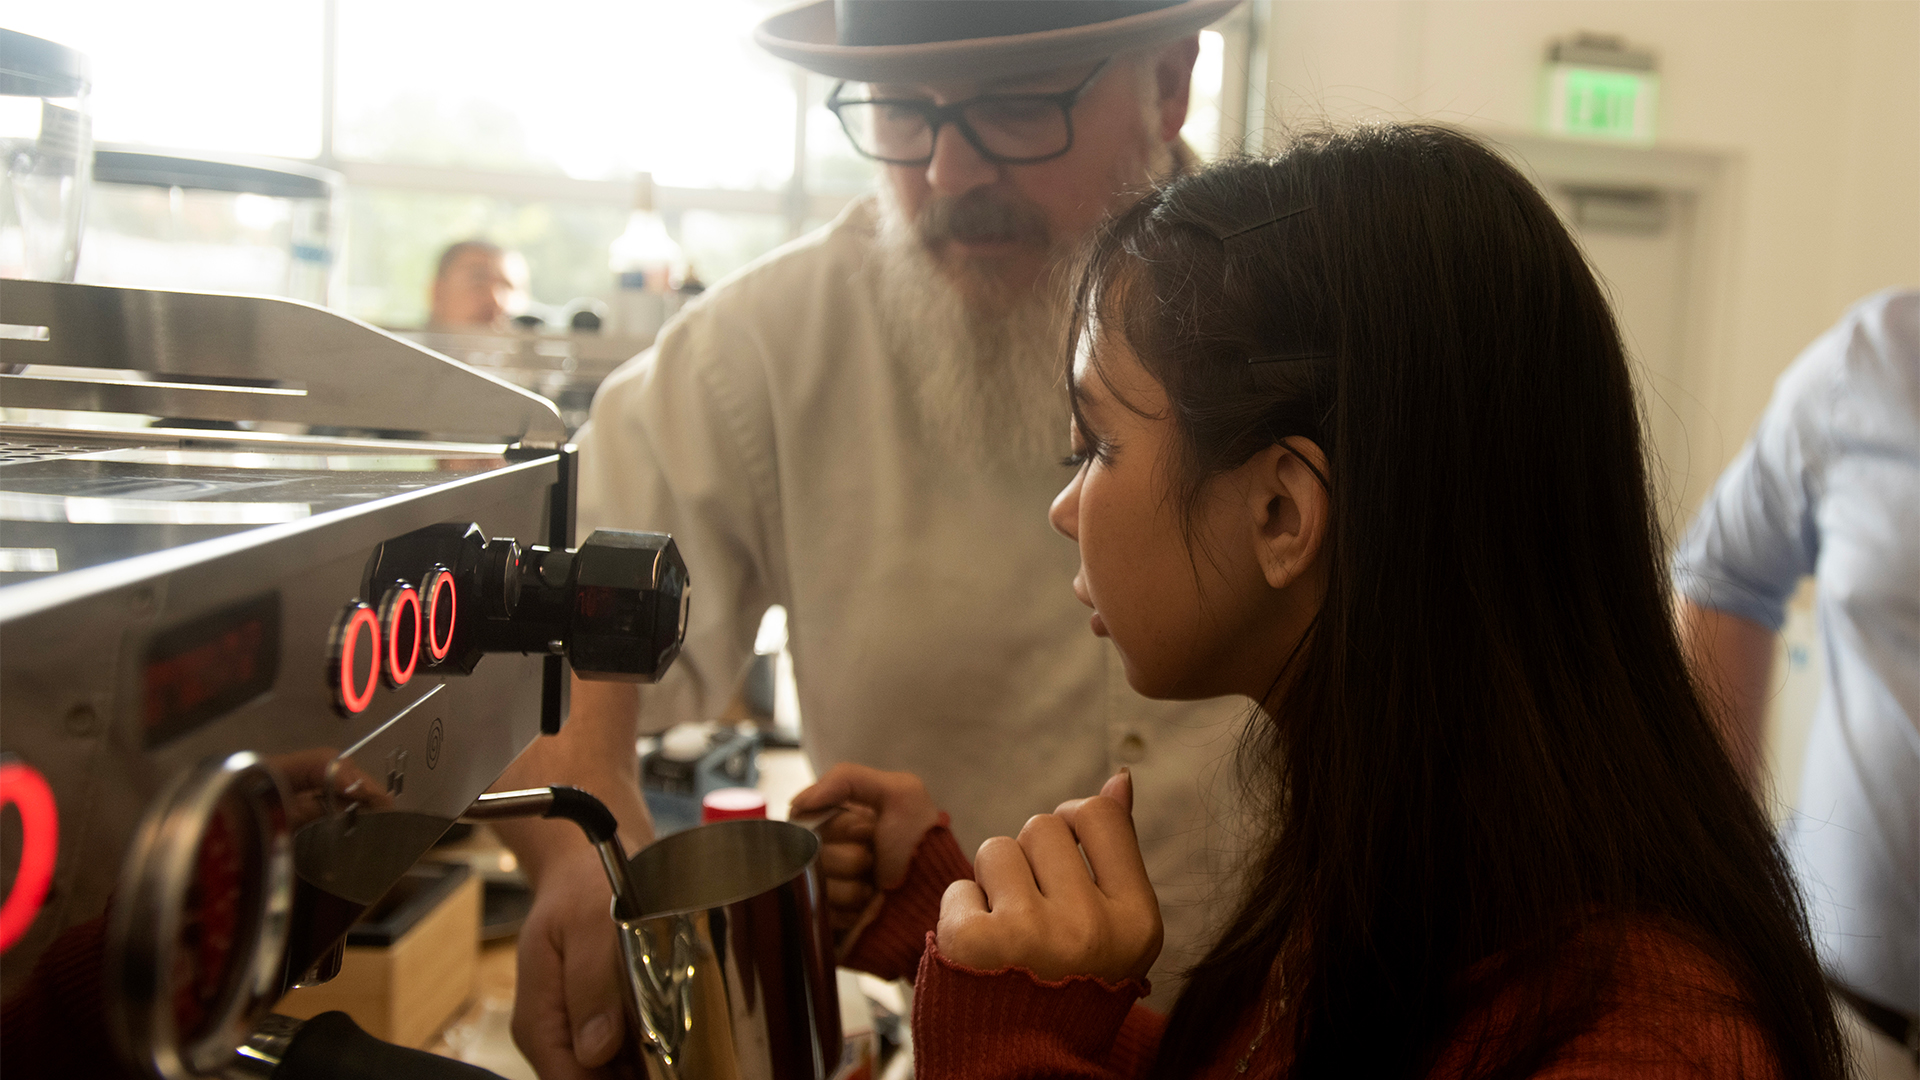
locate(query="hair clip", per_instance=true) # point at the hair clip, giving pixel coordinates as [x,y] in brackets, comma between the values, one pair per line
[1274,220]
[1275,358]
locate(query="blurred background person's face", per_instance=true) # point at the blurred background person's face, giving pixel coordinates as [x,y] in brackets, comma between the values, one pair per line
[479,286]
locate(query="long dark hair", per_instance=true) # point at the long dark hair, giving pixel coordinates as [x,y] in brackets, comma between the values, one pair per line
[1487,761]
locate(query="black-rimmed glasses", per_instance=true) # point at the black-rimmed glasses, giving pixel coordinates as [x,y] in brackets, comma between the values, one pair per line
[1007,129]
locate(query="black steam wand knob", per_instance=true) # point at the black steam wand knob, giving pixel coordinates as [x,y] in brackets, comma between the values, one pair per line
[616,607]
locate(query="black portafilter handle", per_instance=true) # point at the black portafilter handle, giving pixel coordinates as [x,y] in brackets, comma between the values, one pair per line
[332,1047]
[582,809]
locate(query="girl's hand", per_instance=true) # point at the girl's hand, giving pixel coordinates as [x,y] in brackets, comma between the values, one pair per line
[1034,904]
[867,846]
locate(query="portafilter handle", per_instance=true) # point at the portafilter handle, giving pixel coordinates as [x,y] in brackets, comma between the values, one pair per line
[582,809]
[332,1047]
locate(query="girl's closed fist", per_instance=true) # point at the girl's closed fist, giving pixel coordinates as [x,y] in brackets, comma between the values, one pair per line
[1037,903]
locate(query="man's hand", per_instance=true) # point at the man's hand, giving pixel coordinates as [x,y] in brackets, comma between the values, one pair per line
[868,845]
[568,1018]
[567,1011]
[1034,904]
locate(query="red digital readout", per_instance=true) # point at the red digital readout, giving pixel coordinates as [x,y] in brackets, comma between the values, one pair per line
[23,788]
[400,615]
[443,609]
[353,692]
[196,671]
[189,682]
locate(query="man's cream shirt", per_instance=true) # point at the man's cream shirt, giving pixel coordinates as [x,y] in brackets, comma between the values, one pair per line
[931,613]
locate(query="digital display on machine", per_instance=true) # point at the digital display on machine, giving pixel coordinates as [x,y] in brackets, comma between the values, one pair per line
[201,669]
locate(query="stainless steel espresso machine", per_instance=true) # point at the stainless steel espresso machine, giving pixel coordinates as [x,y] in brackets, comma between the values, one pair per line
[280,595]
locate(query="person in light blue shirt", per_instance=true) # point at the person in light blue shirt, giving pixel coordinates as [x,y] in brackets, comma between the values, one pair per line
[1829,486]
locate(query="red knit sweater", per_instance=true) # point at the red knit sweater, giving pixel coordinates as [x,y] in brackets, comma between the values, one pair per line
[1667,1017]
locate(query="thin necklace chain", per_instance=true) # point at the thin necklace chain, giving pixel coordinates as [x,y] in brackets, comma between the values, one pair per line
[1267,1008]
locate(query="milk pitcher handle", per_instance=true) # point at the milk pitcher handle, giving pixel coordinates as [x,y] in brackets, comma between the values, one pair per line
[818,819]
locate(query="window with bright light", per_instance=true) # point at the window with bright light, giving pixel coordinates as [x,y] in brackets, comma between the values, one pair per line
[227,76]
[519,123]
[593,89]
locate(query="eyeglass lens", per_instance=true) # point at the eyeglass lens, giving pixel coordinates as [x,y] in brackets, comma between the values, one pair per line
[1012,128]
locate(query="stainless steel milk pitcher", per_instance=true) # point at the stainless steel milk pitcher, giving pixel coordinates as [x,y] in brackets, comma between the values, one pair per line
[730,968]
[726,952]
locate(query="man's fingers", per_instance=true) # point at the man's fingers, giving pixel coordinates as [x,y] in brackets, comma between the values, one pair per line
[540,1027]
[1105,831]
[593,994]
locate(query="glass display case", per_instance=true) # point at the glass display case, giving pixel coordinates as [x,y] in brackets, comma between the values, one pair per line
[46,140]
[240,225]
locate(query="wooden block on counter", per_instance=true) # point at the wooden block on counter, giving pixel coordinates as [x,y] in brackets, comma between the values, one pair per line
[406,991]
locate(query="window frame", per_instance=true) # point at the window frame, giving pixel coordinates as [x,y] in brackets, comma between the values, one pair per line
[795,204]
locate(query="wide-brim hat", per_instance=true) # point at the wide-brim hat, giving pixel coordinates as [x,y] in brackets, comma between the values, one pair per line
[923,40]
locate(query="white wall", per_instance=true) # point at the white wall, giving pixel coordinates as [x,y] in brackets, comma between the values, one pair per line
[1817,103]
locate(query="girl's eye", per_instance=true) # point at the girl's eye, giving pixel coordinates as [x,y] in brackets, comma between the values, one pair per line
[1084,451]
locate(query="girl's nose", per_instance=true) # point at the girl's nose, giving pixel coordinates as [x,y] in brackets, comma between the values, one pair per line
[1065,511]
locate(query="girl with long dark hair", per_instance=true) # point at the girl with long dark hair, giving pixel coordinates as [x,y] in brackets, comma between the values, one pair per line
[1355,437]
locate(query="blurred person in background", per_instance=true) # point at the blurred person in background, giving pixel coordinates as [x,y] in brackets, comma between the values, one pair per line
[1829,486]
[478,285]
[865,428]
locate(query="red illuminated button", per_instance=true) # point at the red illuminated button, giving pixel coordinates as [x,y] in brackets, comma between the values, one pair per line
[353,689]
[22,788]
[442,615]
[400,615]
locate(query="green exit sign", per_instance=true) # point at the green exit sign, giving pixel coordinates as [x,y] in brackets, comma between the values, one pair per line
[1603,103]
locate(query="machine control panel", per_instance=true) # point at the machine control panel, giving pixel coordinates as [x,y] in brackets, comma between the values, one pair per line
[439,599]
[207,920]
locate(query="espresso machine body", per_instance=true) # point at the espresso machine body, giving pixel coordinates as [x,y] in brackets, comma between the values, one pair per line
[250,671]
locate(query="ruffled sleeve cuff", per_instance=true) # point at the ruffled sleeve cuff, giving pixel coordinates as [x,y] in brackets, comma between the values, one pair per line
[1007,1023]
[891,944]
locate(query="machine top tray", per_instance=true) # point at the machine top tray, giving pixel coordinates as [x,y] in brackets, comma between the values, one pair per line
[71,502]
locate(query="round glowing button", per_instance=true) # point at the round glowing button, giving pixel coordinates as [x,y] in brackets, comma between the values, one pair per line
[352,692]
[442,614]
[400,614]
[23,788]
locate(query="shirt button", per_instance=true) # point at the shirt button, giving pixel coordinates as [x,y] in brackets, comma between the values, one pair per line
[1132,749]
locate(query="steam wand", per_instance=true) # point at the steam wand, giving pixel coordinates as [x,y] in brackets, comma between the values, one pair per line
[583,810]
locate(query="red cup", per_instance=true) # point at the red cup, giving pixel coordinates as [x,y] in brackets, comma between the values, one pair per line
[731,804]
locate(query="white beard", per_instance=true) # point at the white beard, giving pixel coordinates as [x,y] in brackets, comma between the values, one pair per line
[989,385]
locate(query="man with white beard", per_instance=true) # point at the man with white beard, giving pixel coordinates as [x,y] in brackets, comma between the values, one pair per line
[864,427]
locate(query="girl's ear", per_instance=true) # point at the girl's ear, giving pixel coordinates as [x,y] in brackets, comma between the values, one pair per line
[1289,508]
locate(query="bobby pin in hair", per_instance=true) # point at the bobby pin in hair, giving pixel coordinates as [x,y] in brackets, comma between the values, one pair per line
[1275,358]
[1274,220]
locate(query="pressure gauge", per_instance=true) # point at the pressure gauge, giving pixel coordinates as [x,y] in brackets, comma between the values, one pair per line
[198,933]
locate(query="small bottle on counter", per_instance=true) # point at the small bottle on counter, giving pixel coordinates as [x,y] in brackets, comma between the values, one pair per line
[648,266]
